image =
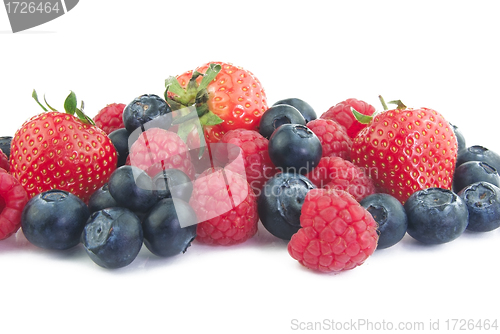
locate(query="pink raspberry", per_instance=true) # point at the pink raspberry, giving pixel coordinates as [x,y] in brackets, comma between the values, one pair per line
[158,149]
[253,148]
[226,208]
[342,113]
[13,198]
[337,173]
[110,117]
[337,233]
[333,138]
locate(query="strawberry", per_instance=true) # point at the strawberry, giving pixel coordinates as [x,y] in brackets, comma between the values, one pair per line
[406,150]
[226,97]
[59,150]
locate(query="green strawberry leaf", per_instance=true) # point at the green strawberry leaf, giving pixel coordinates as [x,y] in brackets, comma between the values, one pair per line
[192,86]
[210,75]
[70,103]
[383,102]
[48,105]
[171,84]
[399,105]
[34,95]
[210,118]
[363,119]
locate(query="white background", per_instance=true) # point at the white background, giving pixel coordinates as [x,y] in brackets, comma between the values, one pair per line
[438,54]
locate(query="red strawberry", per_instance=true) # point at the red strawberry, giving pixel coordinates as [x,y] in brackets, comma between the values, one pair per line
[223,93]
[407,150]
[226,207]
[110,117]
[333,138]
[58,150]
[337,233]
[341,112]
[157,149]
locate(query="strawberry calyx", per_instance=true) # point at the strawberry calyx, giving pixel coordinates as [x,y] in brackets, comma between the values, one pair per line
[70,107]
[191,102]
[366,119]
[195,94]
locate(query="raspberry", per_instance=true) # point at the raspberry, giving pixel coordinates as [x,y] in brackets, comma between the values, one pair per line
[13,198]
[4,161]
[110,118]
[158,149]
[337,233]
[342,113]
[337,173]
[333,138]
[226,208]
[253,147]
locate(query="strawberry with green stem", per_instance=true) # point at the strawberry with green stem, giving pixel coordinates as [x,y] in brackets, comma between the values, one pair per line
[406,150]
[60,150]
[222,96]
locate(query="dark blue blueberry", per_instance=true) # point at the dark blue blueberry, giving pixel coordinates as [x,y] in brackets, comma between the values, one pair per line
[119,138]
[474,171]
[479,153]
[173,183]
[145,109]
[302,106]
[295,148]
[390,216]
[483,202]
[5,145]
[460,138]
[113,237]
[170,227]
[132,188]
[280,201]
[101,199]
[436,215]
[278,115]
[54,219]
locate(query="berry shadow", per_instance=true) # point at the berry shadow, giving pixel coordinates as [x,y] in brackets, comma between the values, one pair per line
[412,244]
[18,243]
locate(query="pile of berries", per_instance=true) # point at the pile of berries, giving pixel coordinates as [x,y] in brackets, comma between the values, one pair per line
[210,159]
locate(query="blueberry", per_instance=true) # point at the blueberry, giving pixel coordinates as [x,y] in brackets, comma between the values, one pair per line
[147,108]
[479,153]
[101,199]
[483,202]
[280,201]
[113,237]
[390,216]
[302,106]
[278,115]
[474,171]
[436,215]
[170,227]
[295,148]
[460,138]
[132,188]
[5,145]
[54,219]
[173,183]
[119,138]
